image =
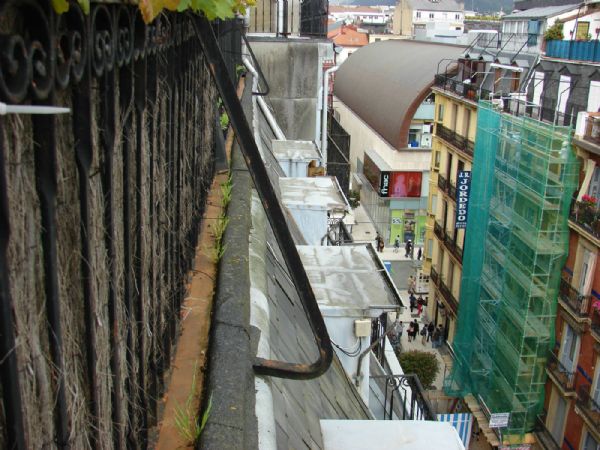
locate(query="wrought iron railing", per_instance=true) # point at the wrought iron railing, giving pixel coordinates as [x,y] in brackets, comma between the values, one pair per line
[451,191]
[468,91]
[592,129]
[452,246]
[587,216]
[378,329]
[434,276]
[447,294]
[578,304]
[458,141]
[563,375]
[595,329]
[442,183]
[404,398]
[290,17]
[338,153]
[588,405]
[438,230]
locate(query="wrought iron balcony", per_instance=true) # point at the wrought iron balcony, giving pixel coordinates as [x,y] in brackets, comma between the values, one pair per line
[448,297]
[453,247]
[458,141]
[563,376]
[588,406]
[577,303]
[544,436]
[442,183]
[438,230]
[595,328]
[404,398]
[451,191]
[587,216]
[434,276]
[468,91]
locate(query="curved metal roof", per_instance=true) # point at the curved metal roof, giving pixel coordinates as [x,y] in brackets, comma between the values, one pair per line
[385,82]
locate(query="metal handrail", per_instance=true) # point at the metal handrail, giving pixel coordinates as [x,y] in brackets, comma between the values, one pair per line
[273,211]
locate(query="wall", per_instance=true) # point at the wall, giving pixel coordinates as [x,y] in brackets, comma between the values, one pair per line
[294,73]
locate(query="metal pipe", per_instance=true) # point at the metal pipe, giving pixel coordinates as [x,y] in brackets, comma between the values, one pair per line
[263,105]
[324,113]
[274,212]
[368,350]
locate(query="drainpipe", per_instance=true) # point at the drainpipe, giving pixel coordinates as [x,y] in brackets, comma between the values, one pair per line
[324,114]
[263,105]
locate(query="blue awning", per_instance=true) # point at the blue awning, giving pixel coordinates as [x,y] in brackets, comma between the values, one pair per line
[463,422]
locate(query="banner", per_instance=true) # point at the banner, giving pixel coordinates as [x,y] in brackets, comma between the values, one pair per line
[462,198]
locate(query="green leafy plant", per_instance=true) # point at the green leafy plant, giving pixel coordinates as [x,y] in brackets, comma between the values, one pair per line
[226,189]
[423,364]
[555,32]
[219,231]
[186,419]
[240,70]
[224,120]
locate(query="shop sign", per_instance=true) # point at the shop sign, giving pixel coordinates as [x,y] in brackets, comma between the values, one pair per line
[463,189]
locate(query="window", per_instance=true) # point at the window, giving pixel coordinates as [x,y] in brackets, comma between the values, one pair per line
[596,384]
[431,15]
[466,122]
[557,426]
[590,443]
[538,88]
[418,14]
[593,103]
[454,116]
[583,29]
[457,17]
[433,203]
[586,271]
[564,89]
[569,348]
[429,250]
[436,159]
[594,189]
[440,115]
[444,215]
[448,166]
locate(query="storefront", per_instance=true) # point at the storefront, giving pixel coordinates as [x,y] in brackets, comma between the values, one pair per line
[396,201]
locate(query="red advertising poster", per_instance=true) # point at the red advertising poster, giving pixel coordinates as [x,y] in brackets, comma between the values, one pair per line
[405,184]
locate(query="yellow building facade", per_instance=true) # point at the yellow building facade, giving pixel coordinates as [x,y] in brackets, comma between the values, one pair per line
[452,152]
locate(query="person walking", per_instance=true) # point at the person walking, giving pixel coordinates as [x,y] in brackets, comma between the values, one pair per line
[412,284]
[408,248]
[435,337]
[420,303]
[419,254]
[410,331]
[381,245]
[413,302]
[430,330]
[423,335]
[415,329]
[397,244]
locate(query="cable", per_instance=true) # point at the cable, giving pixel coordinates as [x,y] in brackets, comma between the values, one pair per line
[351,353]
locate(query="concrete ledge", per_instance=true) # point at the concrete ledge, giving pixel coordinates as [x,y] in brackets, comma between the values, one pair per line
[232,421]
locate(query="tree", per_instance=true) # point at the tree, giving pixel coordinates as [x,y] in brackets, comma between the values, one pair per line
[555,32]
[423,364]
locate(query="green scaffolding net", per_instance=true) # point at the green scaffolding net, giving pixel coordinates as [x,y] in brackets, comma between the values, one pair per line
[524,175]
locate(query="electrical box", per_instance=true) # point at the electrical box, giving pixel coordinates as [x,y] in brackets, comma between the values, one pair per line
[362,327]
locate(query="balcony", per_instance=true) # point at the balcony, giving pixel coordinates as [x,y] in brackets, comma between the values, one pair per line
[574,50]
[591,132]
[453,247]
[577,304]
[456,140]
[562,376]
[442,183]
[438,230]
[595,327]
[403,398]
[434,276]
[544,436]
[468,91]
[451,191]
[587,216]
[588,407]
[448,297]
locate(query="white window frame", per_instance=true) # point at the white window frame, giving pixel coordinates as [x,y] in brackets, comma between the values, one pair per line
[593,103]
[564,343]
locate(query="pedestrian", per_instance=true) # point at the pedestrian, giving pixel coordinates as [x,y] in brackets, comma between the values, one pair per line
[415,328]
[440,338]
[436,337]
[419,254]
[381,244]
[400,329]
[408,248]
[413,302]
[430,330]
[397,244]
[420,304]
[412,284]
[410,331]
[423,335]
